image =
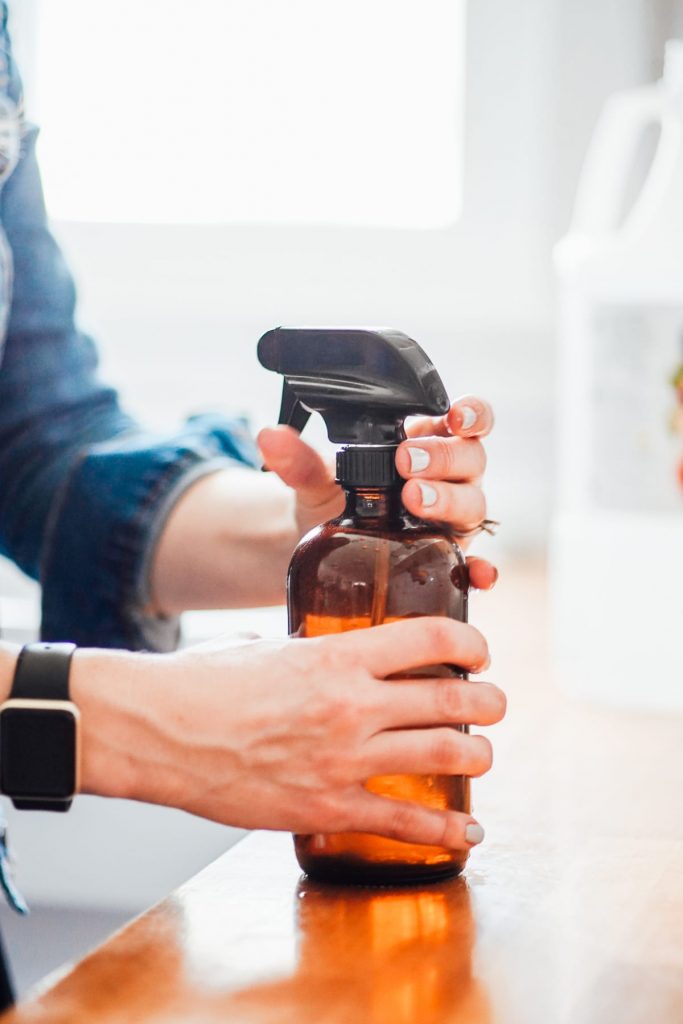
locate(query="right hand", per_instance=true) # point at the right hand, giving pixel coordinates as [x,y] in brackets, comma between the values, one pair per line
[282,734]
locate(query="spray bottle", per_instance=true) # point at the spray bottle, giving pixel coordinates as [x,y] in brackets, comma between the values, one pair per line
[376,563]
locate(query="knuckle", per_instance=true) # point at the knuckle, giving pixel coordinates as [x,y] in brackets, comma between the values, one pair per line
[345,819]
[327,813]
[449,701]
[334,762]
[339,657]
[339,773]
[401,821]
[333,705]
[328,768]
[483,755]
[328,714]
[328,658]
[439,634]
[446,829]
[342,713]
[446,751]
[444,458]
[317,711]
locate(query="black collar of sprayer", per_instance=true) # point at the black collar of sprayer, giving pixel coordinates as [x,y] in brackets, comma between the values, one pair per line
[371,465]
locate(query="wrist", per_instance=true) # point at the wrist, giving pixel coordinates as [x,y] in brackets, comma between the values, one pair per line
[114,692]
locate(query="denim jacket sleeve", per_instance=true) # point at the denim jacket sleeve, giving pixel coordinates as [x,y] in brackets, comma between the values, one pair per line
[84,491]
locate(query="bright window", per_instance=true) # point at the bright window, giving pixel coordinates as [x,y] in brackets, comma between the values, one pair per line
[270,111]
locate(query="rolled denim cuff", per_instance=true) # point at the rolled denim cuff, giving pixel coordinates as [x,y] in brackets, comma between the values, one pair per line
[106,523]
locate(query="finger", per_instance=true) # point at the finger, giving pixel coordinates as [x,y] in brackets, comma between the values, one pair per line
[297,464]
[462,506]
[483,575]
[428,752]
[437,702]
[467,417]
[427,426]
[410,644]
[413,823]
[470,417]
[442,458]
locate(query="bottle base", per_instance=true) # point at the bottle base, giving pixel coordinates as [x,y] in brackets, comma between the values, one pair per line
[348,871]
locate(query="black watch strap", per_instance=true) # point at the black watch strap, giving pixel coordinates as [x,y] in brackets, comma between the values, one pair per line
[42,673]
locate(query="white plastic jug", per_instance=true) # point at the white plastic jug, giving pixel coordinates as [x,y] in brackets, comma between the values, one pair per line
[617,538]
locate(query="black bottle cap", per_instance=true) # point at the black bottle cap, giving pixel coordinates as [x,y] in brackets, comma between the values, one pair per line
[363,381]
[367,466]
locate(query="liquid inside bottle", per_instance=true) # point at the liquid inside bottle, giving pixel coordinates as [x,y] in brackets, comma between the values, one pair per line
[378,564]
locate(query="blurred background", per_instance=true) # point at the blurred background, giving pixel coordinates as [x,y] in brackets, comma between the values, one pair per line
[216,169]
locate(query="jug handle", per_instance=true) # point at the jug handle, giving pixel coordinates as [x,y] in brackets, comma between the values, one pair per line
[611,154]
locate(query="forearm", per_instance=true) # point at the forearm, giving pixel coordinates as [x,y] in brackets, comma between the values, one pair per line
[226,543]
[136,736]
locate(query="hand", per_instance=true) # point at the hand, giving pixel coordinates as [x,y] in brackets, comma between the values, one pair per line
[443,461]
[282,734]
[227,541]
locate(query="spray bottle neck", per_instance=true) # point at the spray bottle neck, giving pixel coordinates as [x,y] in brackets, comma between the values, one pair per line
[374,506]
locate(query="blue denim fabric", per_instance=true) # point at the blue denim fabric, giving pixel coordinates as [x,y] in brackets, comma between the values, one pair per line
[83,490]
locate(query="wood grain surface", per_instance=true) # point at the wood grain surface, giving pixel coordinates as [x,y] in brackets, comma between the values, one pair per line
[571,911]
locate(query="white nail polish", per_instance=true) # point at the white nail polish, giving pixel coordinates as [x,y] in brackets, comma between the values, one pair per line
[428,493]
[469,417]
[474,834]
[419,459]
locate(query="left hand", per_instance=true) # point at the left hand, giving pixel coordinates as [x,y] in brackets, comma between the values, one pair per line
[443,462]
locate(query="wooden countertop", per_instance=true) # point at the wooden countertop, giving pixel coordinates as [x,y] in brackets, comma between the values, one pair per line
[571,911]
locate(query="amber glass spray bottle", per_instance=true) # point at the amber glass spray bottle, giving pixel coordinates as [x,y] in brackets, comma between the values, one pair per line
[376,563]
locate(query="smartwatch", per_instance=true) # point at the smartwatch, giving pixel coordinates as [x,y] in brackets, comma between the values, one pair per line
[40,731]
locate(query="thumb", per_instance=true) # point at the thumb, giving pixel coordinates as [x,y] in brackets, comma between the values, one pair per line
[297,464]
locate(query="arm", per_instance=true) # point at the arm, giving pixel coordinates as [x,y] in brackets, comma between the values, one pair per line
[84,491]
[207,731]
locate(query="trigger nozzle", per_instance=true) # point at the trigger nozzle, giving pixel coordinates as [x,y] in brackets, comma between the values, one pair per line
[292,412]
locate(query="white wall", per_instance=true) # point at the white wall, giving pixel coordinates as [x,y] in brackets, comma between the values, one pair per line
[178,311]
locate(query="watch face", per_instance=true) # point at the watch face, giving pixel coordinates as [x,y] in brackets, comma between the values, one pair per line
[38,748]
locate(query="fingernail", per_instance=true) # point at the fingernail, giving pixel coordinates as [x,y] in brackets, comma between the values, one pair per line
[428,494]
[469,417]
[474,834]
[419,459]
